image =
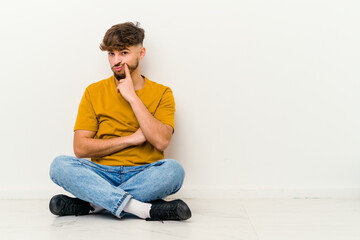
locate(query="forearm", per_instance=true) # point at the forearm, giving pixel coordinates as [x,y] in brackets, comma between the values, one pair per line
[89,147]
[151,127]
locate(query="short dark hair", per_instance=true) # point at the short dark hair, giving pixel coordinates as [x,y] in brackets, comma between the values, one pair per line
[122,35]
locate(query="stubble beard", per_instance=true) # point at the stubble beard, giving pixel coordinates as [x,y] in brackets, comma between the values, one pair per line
[131,69]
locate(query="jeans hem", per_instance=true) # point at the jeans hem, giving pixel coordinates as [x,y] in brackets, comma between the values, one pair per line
[121,204]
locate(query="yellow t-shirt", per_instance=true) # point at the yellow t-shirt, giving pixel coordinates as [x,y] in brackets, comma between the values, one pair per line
[103,110]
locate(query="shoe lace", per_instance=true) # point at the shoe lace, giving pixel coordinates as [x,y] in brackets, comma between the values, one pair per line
[165,211]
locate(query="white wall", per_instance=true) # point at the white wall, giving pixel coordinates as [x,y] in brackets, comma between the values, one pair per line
[267,92]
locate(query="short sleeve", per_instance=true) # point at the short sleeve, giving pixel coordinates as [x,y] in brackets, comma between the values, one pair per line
[165,111]
[86,117]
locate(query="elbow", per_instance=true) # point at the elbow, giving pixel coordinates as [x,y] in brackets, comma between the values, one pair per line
[78,153]
[161,146]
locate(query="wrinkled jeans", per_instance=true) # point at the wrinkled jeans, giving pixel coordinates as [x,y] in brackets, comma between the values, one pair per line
[111,187]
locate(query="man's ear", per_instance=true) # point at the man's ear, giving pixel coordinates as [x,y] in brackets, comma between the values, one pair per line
[142,52]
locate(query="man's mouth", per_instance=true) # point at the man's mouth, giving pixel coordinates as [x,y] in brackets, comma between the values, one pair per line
[118,68]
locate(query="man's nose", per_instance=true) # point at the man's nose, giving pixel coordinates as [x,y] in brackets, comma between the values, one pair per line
[117,59]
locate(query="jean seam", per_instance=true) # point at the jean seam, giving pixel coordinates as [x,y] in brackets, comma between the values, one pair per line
[121,176]
[94,166]
[135,170]
[144,167]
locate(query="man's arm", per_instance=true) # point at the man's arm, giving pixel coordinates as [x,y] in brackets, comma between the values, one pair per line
[86,147]
[155,132]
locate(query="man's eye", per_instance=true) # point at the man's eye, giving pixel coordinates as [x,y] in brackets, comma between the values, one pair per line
[111,53]
[124,53]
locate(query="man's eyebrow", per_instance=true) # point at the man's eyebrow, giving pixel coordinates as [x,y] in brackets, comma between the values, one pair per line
[124,49]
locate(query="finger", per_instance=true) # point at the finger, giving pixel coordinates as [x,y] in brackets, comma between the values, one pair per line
[127,71]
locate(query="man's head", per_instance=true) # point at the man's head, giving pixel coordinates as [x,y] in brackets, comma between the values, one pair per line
[124,44]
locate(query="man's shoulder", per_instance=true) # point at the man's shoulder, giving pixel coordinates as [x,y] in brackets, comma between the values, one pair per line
[158,86]
[96,86]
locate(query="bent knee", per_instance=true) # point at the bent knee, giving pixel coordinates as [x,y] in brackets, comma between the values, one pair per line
[57,166]
[175,171]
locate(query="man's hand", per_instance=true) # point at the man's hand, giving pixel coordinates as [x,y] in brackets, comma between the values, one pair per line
[138,137]
[126,85]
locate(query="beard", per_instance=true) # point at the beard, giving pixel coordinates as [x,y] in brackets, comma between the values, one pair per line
[132,68]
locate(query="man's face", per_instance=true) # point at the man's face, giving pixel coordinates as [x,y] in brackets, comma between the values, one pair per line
[129,55]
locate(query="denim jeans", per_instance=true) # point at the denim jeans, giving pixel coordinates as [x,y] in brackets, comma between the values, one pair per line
[111,187]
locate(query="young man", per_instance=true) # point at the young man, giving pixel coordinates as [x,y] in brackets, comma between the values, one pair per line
[124,124]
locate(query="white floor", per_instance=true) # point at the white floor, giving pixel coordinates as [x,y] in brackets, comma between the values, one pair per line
[262,219]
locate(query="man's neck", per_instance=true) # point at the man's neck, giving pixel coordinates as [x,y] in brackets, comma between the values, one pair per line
[138,81]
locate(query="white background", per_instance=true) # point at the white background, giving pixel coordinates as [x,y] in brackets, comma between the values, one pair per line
[267,92]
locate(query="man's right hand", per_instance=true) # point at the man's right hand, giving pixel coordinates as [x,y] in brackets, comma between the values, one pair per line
[138,137]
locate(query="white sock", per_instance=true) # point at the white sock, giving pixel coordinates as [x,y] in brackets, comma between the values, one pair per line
[140,209]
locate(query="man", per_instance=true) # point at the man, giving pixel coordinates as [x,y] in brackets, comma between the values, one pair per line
[124,124]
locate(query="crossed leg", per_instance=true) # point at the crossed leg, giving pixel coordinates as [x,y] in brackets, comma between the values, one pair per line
[103,186]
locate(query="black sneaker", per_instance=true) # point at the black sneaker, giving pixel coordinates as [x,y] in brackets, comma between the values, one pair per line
[172,210]
[63,205]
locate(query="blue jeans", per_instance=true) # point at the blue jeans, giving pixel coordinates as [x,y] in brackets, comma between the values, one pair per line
[111,187]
